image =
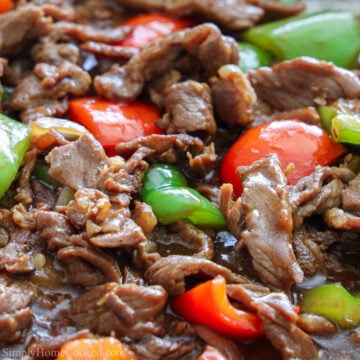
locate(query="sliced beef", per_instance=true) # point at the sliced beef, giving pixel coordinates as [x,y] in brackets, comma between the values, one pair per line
[308,115]
[124,310]
[315,324]
[20,247]
[303,82]
[112,51]
[275,9]
[234,97]
[49,84]
[269,224]
[20,27]
[194,236]
[278,319]
[15,314]
[84,159]
[202,48]
[42,194]
[235,15]
[189,109]
[152,347]
[105,226]
[144,216]
[351,196]
[172,271]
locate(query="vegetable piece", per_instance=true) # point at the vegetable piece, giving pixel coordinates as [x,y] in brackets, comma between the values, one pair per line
[207,304]
[252,57]
[327,35]
[149,27]
[113,122]
[334,302]
[165,190]
[6,5]
[41,172]
[305,146]
[211,353]
[15,142]
[43,131]
[341,123]
[106,348]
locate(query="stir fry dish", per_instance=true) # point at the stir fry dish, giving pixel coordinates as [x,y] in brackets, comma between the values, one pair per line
[179,180]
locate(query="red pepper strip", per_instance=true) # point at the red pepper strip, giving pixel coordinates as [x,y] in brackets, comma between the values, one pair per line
[211,353]
[207,304]
[149,27]
[6,5]
[113,122]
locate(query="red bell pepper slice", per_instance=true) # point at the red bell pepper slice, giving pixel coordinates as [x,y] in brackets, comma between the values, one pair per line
[113,122]
[303,145]
[6,5]
[207,304]
[149,27]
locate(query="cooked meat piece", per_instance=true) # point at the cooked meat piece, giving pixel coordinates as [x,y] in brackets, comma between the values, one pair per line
[124,310]
[315,324]
[84,159]
[112,51]
[55,229]
[351,196]
[15,315]
[204,44]
[308,115]
[24,193]
[235,15]
[83,32]
[225,345]
[99,259]
[191,234]
[40,349]
[49,83]
[269,225]
[53,53]
[234,97]
[152,347]
[342,220]
[19,246]
[144,216]
[278,318]
[171,272]
[42,194]
[20,27]
[189,109]
[303,82]
[275,9]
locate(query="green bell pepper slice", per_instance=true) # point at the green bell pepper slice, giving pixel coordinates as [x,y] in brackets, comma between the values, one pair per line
[341,123]
[333,302]
[329,35]
[165,190]
[15,141]
[253,57]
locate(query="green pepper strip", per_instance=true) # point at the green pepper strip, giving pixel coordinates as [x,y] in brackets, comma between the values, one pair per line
[15,141]
[41,173]
[342,124]
[252,57]
[165,190]
[334,302]
[327,35]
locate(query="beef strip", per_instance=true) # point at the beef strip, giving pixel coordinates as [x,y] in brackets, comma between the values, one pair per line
[234,97]
[351,196]
[20,27]
[275,9]
[15,314]
[205,44]
[84,158]
[42,194]
[303,82]
[112,51]
[278,319]
[315,324]
[20,247]
[189,109]
[268,218]
[49,84]
[144,216]
[124,310]
[152,347]
[235,15]
[171,272]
